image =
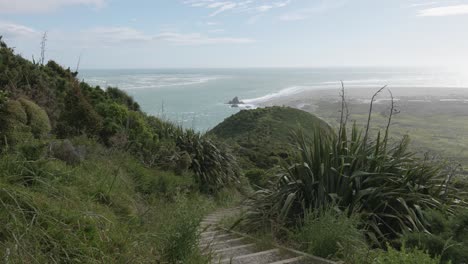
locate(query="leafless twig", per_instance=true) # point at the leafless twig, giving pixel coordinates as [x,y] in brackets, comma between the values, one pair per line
[370,112]
[43,47]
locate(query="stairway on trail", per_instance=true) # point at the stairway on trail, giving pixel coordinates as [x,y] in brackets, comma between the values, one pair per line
[228,247]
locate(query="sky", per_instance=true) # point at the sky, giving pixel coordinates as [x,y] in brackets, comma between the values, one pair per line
[239,33]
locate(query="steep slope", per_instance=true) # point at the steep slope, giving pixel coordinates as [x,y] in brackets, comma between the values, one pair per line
[87,177]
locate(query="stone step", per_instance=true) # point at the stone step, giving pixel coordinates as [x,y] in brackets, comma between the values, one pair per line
[296,260]
[228,247]
[262,257]
[225,244]
[210,233]
[215,238]
[235,251]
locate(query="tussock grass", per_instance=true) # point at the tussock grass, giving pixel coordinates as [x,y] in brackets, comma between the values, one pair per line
[330,234]
[95,212]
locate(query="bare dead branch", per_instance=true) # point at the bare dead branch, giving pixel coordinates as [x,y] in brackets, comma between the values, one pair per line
[43,47]
[370,112]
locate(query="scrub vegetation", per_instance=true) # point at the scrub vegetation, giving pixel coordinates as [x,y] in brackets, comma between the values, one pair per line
[87,177]
[346,194]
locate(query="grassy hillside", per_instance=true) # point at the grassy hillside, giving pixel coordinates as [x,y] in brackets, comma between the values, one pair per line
[107,209]
[262,137]
[87,177]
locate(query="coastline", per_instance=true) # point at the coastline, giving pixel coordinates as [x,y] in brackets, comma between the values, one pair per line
[309,99]
[434,118]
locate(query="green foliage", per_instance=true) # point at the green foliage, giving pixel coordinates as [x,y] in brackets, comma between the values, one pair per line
[257,177]
[166,184]
[413,256]
[93,213]
[133,202]
[262,137]
[330,234]
[65,151]
[13,124]
[214,166]
[386,185]
[22,125]
[38,120]
[448,237]
[115,119]
[121,97]
[59,70]
[78,116]
[3,98]
[178,230]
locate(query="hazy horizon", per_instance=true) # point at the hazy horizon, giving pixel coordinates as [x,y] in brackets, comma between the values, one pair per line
[116,34]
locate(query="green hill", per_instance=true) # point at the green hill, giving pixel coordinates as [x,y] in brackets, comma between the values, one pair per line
[262,136]
[87,177]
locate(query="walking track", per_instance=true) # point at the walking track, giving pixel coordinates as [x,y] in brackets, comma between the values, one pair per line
[236,248]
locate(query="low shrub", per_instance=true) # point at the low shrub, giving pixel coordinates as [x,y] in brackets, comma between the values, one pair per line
[448,237]
[257,177]
[212,163]
[330,234]
[406,256]
[32,150]
[13,124]
[38,120]
[177,230]
[65,151]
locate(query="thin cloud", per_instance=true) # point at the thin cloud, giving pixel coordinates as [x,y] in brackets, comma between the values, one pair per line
[220,6]
[305,13]
[217,31]
[40,6]
[12,30]
[423,4]
[115,35]
[453,10]
[199,39]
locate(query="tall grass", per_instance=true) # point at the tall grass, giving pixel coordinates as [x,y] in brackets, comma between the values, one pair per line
[330,234]
[383,181]
[104,210]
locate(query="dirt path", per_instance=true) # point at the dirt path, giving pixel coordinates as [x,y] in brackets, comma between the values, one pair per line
[231,247]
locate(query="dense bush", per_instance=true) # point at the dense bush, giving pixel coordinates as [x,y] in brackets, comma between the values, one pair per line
[22,122]
[214,166]
[412,256]
[78,116]
[387,185]
[13,124]
[67,152]
[330,234]
[37,119]
[258,177]
[121,97]
[448,236]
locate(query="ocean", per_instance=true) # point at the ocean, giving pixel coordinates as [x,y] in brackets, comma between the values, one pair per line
[196,98]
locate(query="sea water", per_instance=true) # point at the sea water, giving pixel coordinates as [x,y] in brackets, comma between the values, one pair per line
[196,98]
